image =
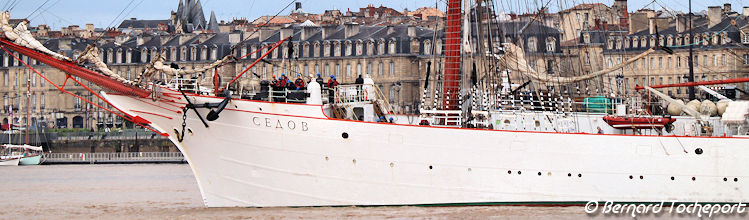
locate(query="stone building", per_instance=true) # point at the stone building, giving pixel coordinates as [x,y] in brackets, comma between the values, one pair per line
[720,51]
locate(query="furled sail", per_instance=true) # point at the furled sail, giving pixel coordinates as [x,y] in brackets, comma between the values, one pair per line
[514,60]
[22,36]
[157,65]
[91,55]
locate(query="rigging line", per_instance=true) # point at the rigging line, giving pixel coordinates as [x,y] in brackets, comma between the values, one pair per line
[131,10]
[14,5]
[258,29]
[6,4]
[45,10]
[37,8]
[123,11]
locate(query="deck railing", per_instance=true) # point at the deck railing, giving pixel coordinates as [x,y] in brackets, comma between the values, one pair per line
[121,157]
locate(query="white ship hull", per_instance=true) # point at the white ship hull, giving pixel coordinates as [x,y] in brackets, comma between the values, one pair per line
[260,154]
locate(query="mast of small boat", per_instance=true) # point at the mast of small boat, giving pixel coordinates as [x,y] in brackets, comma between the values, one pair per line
[28,108]
[690,89]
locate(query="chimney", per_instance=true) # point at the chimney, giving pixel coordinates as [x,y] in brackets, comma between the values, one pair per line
[235,37]
[411,31]
[714,15]
[651,25]
[184,37]
[265,33]
[746,11]
[90,27]
[308,31]
[390,29]
[298,6]
[727,8]
[351,29]
[681,23]
[328,30]
[286,32]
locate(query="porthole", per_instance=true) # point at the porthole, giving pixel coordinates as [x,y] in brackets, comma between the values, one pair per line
[392,164]
[344,135]
[519,172]
[539,173]
[630,177]
[672,178]
[694,178]
[430,167]
[735,179]
[326,158]
[579,175]
[642,177]
[725,179]
[538,123]
[469,169]
[569,174]
[698,151]
[509,172]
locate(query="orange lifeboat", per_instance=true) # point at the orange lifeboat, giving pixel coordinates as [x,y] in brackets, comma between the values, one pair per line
[638,122]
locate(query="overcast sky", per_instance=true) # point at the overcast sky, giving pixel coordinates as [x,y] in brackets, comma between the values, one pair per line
[103,13]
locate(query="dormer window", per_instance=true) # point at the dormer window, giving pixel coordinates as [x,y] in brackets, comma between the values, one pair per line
[427,47]
[551,45]
[532,46]
[381,48]
[359,48]
[348,48]
[392,47]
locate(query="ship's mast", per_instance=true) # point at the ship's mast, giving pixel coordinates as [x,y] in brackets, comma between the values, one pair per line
[691,54]
[28,108]
[451,84]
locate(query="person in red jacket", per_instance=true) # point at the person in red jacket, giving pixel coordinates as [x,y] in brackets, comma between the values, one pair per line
[299,82]
[332,83]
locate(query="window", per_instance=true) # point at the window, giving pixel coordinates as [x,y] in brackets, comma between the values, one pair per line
[551,44]
[427,47]
[265,72]
[348,70]
[392,47]
[704,59]
[337,49]
[358,69]
[381,48]
[678,62]
[670,65]
[348,48]
[380,69]
[715,60]
[611,63]
[326,49]
[327,69]
[532,47]
[369,68]
[214,53]
[316,50]
[660,62]
[746,61]
[723,59]
[652,63]
[359,49]
[696,60]
[587,57]
[392,68]
[337,69]
[5,79]
[317,68]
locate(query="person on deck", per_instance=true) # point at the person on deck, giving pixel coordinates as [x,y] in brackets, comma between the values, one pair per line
[319,80]
[359,82]
[299,82]
[332,83]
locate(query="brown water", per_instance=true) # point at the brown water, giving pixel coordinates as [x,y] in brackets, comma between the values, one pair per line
[169,191]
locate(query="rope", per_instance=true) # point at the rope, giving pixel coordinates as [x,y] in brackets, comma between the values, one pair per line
[62,89]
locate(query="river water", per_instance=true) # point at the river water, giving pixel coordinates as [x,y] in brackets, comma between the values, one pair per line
[169,191]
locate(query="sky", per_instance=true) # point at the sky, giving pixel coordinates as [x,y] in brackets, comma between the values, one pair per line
[105,13]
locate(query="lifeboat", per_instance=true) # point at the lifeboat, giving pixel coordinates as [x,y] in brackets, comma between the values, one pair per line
[638,122]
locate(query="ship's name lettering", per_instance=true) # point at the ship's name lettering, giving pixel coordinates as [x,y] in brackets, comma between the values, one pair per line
[278,123]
